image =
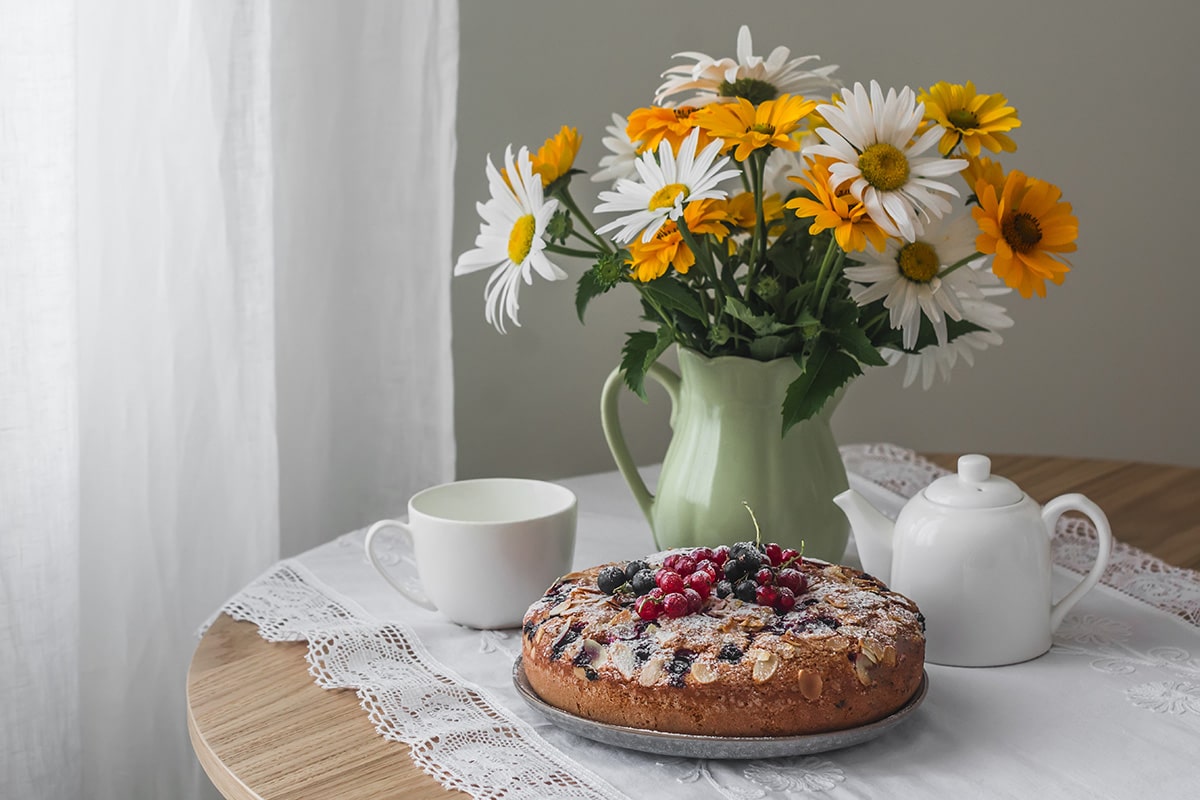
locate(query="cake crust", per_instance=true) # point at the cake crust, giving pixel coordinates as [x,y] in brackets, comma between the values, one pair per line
[849,653]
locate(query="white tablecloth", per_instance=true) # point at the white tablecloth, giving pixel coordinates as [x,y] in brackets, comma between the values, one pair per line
[1112,711]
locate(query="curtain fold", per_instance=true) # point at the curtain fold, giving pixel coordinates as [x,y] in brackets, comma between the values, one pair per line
[224,336]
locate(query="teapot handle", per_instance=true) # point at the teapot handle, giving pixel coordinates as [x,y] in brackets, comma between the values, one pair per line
[610,418]
[1050,514]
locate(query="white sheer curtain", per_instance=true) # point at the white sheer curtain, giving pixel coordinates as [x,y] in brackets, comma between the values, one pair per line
[224,336]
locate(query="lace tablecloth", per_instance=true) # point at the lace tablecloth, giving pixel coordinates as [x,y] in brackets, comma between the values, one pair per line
[1112,709]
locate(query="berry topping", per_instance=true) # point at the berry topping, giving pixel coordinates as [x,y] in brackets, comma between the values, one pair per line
[679,665]
[720,555]
[746,591]
[610,579]
[723,589]
[785,601]
[775,554]
[686,565]
[643,581]
[730,652]
[790,557]
[633,568]
[702,553]
[695,601]
[656,593]
[699,582]
[791,578]
[671,561]
[709,566]
[669,581]
[676,605]
[764,576]
[766,595]
[648,607]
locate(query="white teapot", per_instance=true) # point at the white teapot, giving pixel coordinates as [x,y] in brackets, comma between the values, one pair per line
[973,551]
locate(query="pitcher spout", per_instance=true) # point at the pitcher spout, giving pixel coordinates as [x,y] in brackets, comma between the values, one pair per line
[872,533]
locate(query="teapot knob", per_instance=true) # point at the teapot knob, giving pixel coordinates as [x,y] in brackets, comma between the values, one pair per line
[974,468]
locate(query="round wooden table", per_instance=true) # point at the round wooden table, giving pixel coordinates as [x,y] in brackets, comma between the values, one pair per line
[262,729]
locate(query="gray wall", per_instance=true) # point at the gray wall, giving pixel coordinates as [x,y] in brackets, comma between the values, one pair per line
[1102,367]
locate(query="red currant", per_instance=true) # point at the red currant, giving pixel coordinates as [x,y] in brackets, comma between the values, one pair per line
[700,582]
[720,555]
[775,553]
[647,607]
[785,601]
[669,581]
[792,579]
[686,565]
[790,557]
[766,595]
[702,554]
[656,593]
[710,567]
[695,601]
[764,576]
[670,561]
[676,605]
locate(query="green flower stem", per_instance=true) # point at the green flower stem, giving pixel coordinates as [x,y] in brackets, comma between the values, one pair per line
[826,262]
[961,262]
[758,243]
[658,308]
[833,276]
[704,261]
[573,207]
[571,251]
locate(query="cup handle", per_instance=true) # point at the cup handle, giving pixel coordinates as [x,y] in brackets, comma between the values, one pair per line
[1050,514]
[611,421]
[410,589]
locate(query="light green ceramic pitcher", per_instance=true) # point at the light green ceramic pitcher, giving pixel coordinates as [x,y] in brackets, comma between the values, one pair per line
[726,450]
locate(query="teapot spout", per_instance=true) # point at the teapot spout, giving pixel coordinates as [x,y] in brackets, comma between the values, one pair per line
[872,533]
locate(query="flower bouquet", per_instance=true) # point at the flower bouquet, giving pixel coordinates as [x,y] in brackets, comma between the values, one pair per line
[761,210]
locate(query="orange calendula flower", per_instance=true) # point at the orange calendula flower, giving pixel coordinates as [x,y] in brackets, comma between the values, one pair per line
[651,259]
[667,249]
[557,155]
[982,168]
[974,119]
[649,126]
[852,226]
[1026,226]
[746,127]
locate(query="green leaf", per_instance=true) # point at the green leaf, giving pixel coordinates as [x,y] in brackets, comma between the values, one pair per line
[589,286]
[761,324]
[671,294]
[854,341]
[769,348]
[823,371]
[633,360]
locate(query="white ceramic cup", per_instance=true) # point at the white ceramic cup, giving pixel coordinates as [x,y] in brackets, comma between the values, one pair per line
[483,550]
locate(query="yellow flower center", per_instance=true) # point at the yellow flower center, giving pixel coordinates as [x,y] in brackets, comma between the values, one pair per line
[884,166]
[520,240]
[918,261]
[763,128]
[1022,231]
[666,196]
[962,119]
[683,112]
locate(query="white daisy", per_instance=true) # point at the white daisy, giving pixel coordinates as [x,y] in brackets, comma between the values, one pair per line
[665,186]
[872,146]
[940,359]
[905,275]
[511,236]
[780,164]
[622,153]
[750,76]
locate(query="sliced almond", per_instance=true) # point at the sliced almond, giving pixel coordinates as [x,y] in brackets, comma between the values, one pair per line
[786,650]
[811,683]
[621,656]
[703,673]
[653,671]
[871,650]
[765,664]
[597,652]
[862,670]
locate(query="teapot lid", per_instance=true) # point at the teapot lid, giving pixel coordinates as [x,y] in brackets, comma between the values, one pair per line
[974,486]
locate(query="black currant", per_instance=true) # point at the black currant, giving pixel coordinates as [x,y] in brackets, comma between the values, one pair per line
[633,568]
[746,591]
[723,589]
[610,579]
[643,581]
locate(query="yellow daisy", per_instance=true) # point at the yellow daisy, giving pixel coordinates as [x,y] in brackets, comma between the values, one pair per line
[557,155]
[982,168]
[852,226]
[1026,226]
[740,211]
[973,119]
[649,126]
[750,127]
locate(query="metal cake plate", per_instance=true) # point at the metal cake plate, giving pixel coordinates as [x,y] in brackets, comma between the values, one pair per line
[696,746]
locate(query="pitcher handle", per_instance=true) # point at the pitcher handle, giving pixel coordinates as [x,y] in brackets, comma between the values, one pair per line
[611,420]
[1050,514]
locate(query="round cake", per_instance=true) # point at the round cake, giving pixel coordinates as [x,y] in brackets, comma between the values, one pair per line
[749,640]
